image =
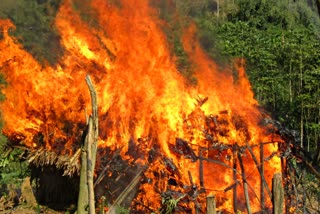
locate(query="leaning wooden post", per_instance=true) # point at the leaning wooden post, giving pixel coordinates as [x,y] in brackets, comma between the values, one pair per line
[262,180]
[88,157]
[211,204]
[202,189]
[278,194]
[92,144]
[261,170]
[235,205]
[245,185]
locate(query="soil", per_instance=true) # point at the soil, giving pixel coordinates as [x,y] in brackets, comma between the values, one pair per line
[21,200]
[24,209]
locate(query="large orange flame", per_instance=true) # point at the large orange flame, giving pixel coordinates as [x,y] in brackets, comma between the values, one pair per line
[142,98]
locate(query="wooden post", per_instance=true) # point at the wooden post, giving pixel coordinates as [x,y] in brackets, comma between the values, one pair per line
[278,194]
[245,185]
[211,204]
[83,200]
[262,180]
[235,206]
[88,157]
[102,204]
[92,144]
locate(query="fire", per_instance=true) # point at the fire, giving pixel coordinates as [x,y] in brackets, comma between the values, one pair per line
[143,99]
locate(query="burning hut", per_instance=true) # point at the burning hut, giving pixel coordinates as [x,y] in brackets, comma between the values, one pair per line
[162,140]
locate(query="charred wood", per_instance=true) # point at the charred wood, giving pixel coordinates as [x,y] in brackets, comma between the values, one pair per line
[105,168]
[232,186]
[182,147]
[201,101]
[202,188]
[171,167]
[126,191]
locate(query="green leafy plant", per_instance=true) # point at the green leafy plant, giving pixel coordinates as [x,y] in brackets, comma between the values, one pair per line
[169,203]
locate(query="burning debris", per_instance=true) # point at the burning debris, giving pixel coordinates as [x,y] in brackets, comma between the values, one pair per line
[158,149]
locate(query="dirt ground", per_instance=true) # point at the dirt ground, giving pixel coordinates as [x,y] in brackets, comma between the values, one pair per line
[21,200]
[23,209]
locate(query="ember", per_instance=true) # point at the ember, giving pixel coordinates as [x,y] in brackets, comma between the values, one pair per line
[185,141]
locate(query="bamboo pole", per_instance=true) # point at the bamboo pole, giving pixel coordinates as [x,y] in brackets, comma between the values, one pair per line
[83,200]
[88,157]
[90,168]
[278,194]
[92,144]
[211,204]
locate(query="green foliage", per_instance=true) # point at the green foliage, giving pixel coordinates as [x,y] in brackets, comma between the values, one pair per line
[86,12]
[175,23]
[3,84]
[12,165]
[168,203]
[280,42]
[122,210]
[34,27]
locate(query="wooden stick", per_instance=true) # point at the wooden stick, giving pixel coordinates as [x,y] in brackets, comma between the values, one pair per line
[261,170]
[262,179]
[94,116]
[88,157]
[278,194]
[211,204]
[83,199]
[90,167]
[102,204]
[92,138]
[245,185]
[235,205]
[220,163]
[286,172]
[103,172]
[126,192]
[190,178]
[313,170]
[202,189]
